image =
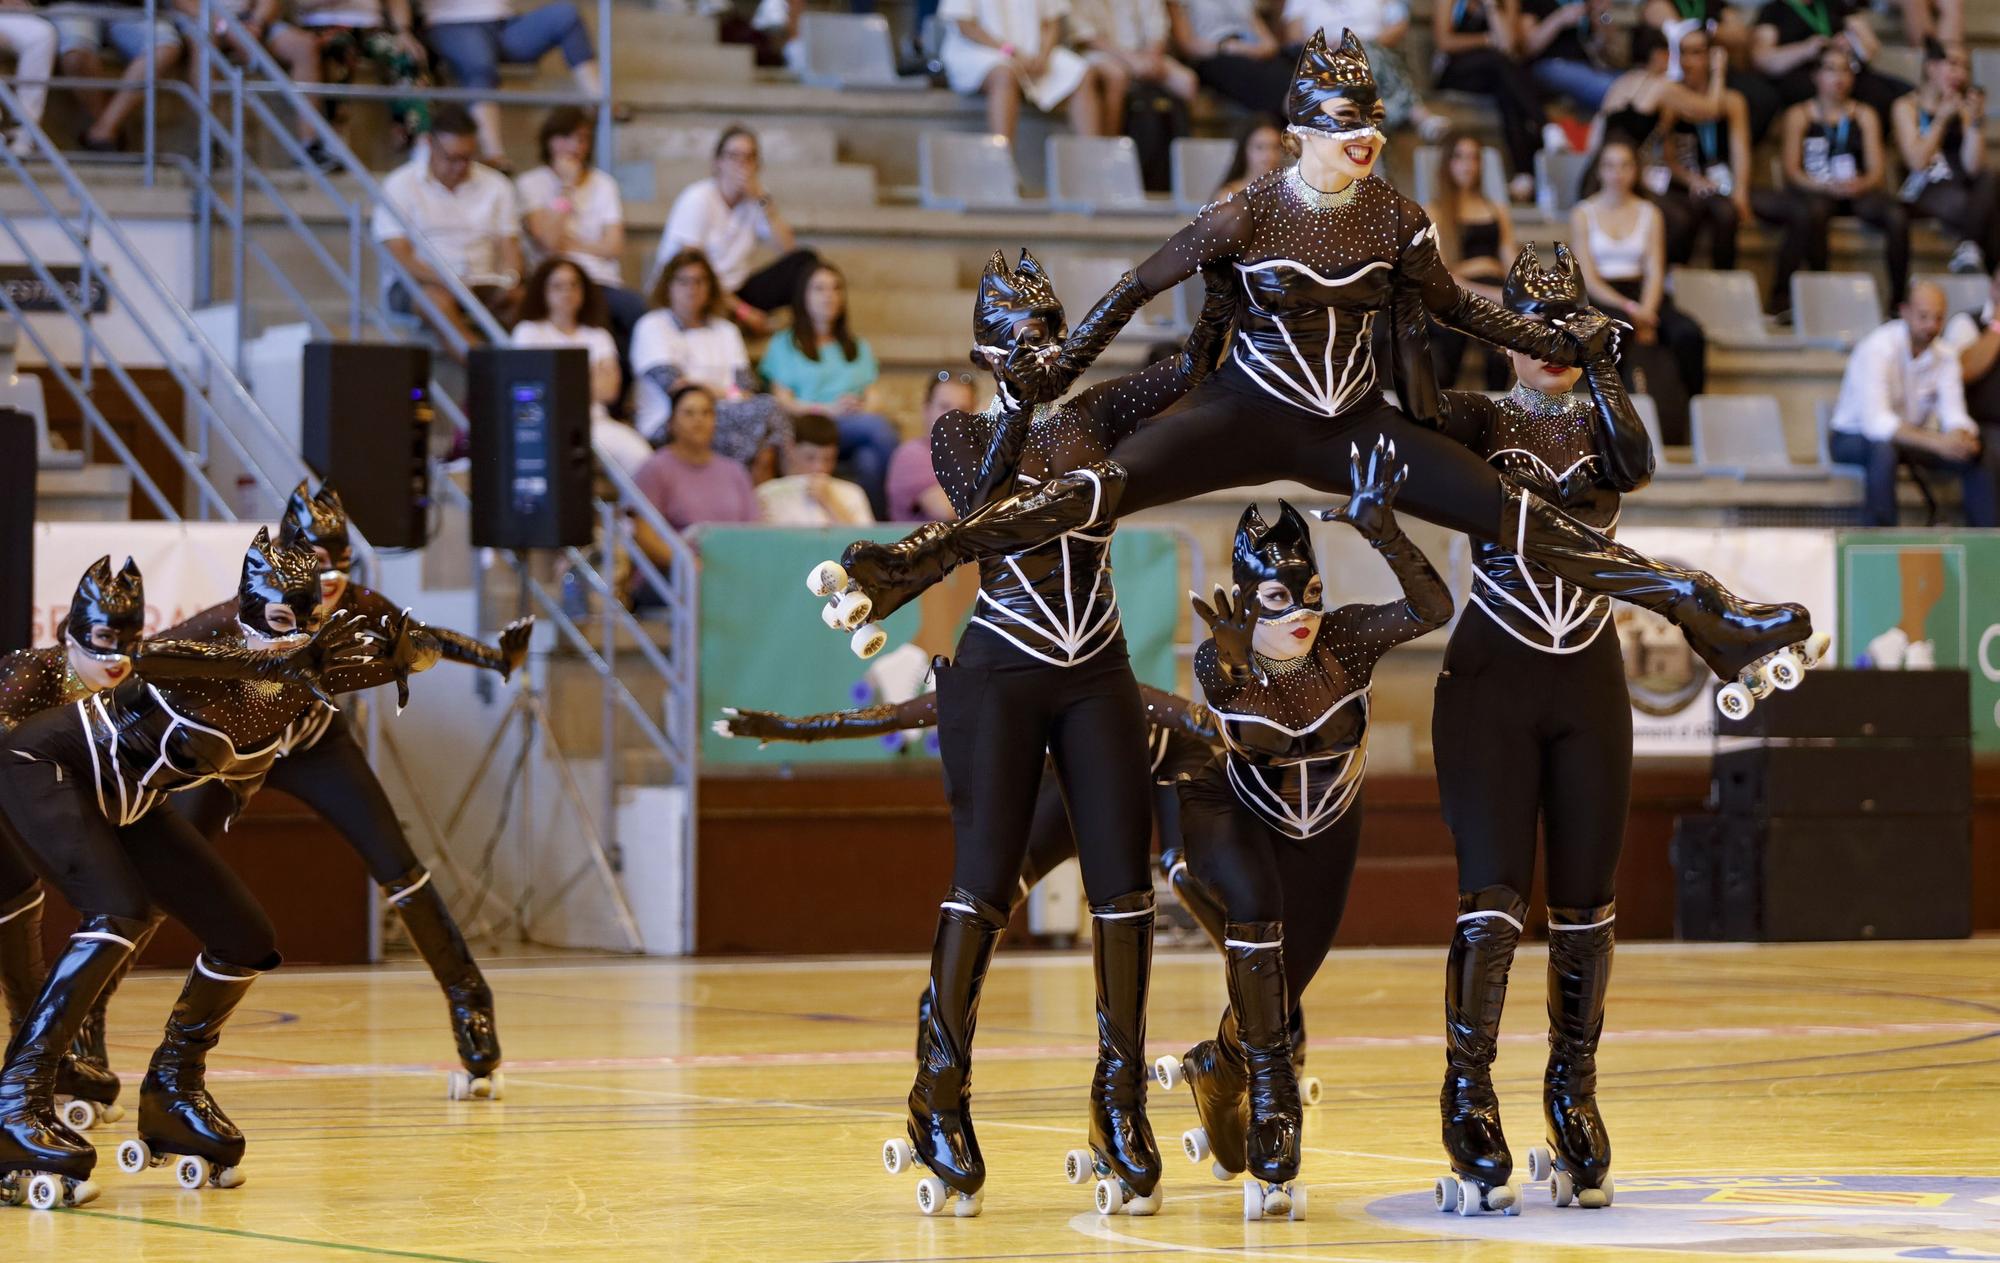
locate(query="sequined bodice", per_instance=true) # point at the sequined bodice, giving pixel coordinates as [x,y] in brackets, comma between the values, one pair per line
[35,680]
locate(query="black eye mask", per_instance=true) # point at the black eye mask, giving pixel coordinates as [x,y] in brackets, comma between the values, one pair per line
[1282,551]
[104,599]
[1326,75]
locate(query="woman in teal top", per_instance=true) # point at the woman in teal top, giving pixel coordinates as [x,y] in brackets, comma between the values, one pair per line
[818,366]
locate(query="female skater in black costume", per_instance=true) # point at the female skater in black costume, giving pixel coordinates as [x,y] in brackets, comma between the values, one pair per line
[1320,250]
[1533,723]
[1273,823]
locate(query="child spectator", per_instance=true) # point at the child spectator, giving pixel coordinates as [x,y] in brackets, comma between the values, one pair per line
[806,493]
[562,307]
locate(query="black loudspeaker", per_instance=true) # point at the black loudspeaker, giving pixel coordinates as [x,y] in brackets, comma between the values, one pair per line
[367,425]
[1854,879]
[1868,705]
[17,530]
[531,459]
[1873,779]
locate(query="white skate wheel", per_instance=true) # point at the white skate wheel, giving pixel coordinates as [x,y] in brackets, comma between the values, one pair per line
[496,1085]
[1109,1197]
[1221,1172]
[1298,1201]
[830,615]
[1194,1143]
[1734,700]
[827,578]
[44,1191]
[1445,1191]
[1078,1166]
[1562,1189]
[81,1193]
[968,1207]
[853,607]
[1167,1072]
[231,1177]
[1470,1200]
[192,1170]
[1277,1201]
[1814,647]
[1503,1196]
[896,1156]
[80,1114]
[1595,1198]
[1147,1205]
[457,1085]
[931,1194]
[1785,670]
[1539,1165]
[1253,1200]
[867,640]
[1310,1090]
[111,1113]
[134,1157]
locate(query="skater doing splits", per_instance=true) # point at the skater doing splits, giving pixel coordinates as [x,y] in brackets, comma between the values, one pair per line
[1533,725]
[1318,253]
[325,768]
[1042,667]
[1273,823]
[83,787]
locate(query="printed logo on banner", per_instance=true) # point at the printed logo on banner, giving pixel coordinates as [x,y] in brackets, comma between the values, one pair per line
[1661,672]
[1919,599]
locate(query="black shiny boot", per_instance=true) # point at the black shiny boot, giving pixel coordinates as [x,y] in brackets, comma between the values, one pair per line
[1475,992]
[179,1122]
[1123,1158]
[1194,894]
[1254,953]
[1580,943]
[86,1088]
[941,1138]
[43,1163]
[467,997]
[1218,1079]
[1728,633]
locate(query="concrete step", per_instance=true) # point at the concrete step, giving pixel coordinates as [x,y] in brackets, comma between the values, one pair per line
[93,493]
[782,144]
[849,184]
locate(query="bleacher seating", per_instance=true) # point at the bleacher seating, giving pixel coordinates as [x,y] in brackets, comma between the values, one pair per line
[1963,291]
[1664,465]
[1083,279]
[1743,436]
[1986,71]
[1198,166]
[1836,307]
[1094,173]
[850,50]
[962,172]
[1558,176]
[1725,304]
[1492,174]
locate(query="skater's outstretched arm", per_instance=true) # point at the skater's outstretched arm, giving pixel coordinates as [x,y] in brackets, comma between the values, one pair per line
[1421,264]
[836,725]
[453,646]
[1175,713]
[1355,637]
[1117,408]
[213,622]
[341,645]
[1622,441]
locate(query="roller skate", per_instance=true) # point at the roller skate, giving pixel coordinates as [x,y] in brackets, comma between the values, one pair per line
[1482,951]
[87,1093]
[872,581]
[1215,1075]
[940,1138]
[1784,670]
[1577,1163]
[1258,992]
[468,1000]
[1310,1087]
[1123,1159]
[179,1122]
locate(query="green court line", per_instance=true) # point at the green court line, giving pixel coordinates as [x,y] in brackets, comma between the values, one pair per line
[271,1236]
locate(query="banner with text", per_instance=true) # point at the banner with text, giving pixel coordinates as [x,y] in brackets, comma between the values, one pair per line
[188,566]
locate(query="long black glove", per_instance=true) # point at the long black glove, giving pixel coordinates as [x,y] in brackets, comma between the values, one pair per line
[341,643]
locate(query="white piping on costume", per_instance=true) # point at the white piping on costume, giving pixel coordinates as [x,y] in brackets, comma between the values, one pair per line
[956,906]
[1255,947]
[1266,265]
[1594,925]
[201,964]
[1361,692]
[1480,600]
[1064,634]
[1121,916]
[410,889]
[1463,917]
[104,936]
[39,899]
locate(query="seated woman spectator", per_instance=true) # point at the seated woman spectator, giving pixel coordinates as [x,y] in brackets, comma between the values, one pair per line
[1476,237]
[1835,164]
[818,365]
[1940,20]
[82,39]
[1233,51]
[1728,31]
[572,210]
[1261,148]
[1564,45]
[1475,53]
[32,39]
[348,30]
[1708,160]
[1620,241]
[1381,26]
[915,495]
[725,217]
[476,37]
[1640,98]
[684,340]
[690,483]
[1941,133]
[1127,41]
[561,306]
[1790,37]
[806,493]
[1010,49]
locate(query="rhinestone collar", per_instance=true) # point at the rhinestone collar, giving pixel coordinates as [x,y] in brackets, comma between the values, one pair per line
[1282,666]
[1318,199]
[1537,404]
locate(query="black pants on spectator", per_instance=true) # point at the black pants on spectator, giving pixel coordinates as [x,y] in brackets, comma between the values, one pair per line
[1491,73]
[1968,209]
[773,286]
[1673,369]
[1687,217]
[1762,101]
[1252,83]
[1880,461]
[1805,217]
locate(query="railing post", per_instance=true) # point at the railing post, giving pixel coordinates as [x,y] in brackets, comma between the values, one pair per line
[608,630]
[240,260]
[152,95]
[604,112]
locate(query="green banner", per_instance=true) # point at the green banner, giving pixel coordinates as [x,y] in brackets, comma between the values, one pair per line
[763,646]
[1915,598]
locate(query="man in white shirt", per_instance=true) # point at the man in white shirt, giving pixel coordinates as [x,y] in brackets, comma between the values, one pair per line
[808,494]
[1974,336]
[1902,399]
[465,212]
[725,217]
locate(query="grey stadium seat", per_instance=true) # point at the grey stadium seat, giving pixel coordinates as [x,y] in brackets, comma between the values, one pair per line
[1840,307]
[1663,465]
[1094,173]
[1725,304]
[968,171]
[850,50]
[1744,436]
[1199,165]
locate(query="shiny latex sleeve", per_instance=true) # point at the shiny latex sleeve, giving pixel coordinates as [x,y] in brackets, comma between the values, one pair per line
[452,646]
[1356,636]
[1422,266]
[1174,713]
[1119,407]
[834,725]
[1622,440]
[1001,458]
[1098,328]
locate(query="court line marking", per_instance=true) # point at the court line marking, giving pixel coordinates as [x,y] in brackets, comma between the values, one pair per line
[247,1234]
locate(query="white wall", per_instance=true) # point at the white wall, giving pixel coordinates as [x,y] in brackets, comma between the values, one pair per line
[167,247]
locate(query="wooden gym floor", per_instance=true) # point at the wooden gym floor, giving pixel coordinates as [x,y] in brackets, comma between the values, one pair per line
[1836,1101]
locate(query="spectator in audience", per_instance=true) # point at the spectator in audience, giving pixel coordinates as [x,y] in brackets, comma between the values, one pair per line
[685,339]
[1728,31]
[1127,41]
[464,211]
[1261,148]
[32,39]
[914,492]
[1926,20]
[1475,53]
[724,217]
[1791,38]
[1708,159]
[818,365]
[348,30]
[1974,336]
[562,306]
[1010,49]
[1381,26]
[293,47]
[572,210]
[1902,400]
[1563,42]
[1233,51]
[1620,240]
[1640,98]
[806,493]
[1476,236]
[476,37]
[80,41]
[1834,165]
[1941,133]
[689,481]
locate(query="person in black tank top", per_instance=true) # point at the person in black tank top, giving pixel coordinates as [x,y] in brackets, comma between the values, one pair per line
[1834,165]
[1473,250]
[1940,133]
[1475,53]
[1708,161]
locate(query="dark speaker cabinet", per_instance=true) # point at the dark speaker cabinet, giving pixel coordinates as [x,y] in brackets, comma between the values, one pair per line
[17,530]
[367,421]
[532,467]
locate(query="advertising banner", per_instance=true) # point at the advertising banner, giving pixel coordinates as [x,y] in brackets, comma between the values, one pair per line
[188,566]
[1916,599]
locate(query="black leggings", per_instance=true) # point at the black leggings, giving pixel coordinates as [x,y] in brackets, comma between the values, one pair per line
[1688,217]
[1968,209]
[334,779]
[157,862]
[1051,840]
[1253,83]
[999,713]
[1491,73]
[1521,736]
[1260,874]
[1806,217]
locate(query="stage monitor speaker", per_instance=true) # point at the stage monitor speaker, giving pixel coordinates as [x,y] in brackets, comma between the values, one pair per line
[1877,705]
[366,427]
[17,530]
[531,460]
[1847,779]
